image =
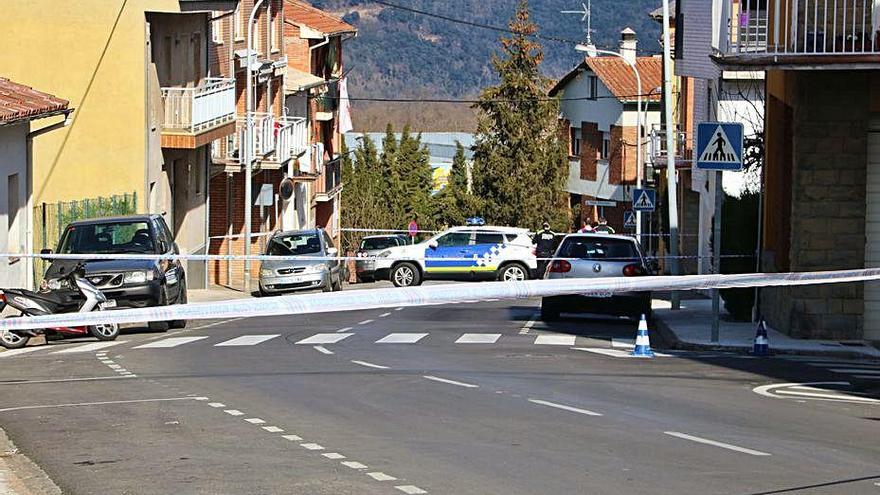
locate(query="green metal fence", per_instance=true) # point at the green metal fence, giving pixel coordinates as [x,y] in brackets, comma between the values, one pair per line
[50,219]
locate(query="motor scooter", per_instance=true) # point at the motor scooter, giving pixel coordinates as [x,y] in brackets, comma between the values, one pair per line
[30,303]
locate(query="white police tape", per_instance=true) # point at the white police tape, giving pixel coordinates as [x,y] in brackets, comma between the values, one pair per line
[431,295]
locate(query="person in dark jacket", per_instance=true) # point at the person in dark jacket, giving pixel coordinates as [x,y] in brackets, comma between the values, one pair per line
[545,244]
[603,227]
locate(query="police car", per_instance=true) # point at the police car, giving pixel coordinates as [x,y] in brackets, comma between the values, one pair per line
[461,253]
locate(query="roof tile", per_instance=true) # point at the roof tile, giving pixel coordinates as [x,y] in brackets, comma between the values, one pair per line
[18,101]
[621,80]
[303,13]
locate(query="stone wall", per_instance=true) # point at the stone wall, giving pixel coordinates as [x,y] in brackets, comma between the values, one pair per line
[829,150]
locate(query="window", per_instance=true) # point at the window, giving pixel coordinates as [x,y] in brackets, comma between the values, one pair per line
[454,239]
[574,141]
[376,243]
[594,87]
[294,245]
[13,204]
[594,248]
[239,22]
[272,14]
[606,146]
[216,27]
[489,238]
[110,238]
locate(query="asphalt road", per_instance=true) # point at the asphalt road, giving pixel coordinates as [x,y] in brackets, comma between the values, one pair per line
[484,403]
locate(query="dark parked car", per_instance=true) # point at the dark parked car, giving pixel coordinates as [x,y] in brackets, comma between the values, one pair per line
[127,283]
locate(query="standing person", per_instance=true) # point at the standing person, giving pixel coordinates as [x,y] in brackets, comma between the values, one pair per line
[585,228]
[603,227]
[545,242]
[413,229]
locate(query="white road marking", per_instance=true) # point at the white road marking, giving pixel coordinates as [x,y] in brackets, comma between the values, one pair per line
[617,353]
[567,340]
[217,323]
[528,325]
[353,464]
[365,322]
[62,380]
[24,350]
[830,395]
[492,300]
[107,360]
[323,350]
[343,330]
[401,338]
[325,338]
[273,429]
[856,370]
[234,412]
[622,344]
[255,421]
[333,455]
[564,407]
[398,309]
[380,476]
[723,445]
[94,346]
[114,366]
[247,340]
[311,446]
[172,342]
[216,404]
[450,382]
[478,338]
[384,315]
[200,398]
[77,404]
[292,438]
[411,489]
[370,365]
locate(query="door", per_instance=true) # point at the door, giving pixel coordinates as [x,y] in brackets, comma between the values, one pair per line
[447,260]
[872,230]
[172,268]
[487,250]
[334,264]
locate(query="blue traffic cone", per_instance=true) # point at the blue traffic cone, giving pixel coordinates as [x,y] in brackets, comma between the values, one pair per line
[762,342]
[643,342]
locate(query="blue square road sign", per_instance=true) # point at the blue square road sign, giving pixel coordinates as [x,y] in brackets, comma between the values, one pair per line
[719,146]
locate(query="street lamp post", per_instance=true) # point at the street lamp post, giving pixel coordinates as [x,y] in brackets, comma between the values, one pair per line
[249,148]
[591,52]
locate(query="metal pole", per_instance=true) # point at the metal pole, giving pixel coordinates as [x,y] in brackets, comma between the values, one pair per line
[639,164]
[670,151]
[249,147]
[716,257]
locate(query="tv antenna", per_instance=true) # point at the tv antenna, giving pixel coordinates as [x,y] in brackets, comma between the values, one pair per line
[586,16]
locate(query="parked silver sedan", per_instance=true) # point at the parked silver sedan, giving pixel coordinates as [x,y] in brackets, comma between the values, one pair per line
[596,256]
[288,275]
[369,248]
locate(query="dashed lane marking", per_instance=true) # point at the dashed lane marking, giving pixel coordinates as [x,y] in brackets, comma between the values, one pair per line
[401,338]
[450,382]
[216,404]
[411,489]
[245,340]
[94,346]
[273,429]
[369,365]
[255,421]
[323,350]
[292,438]
[343,330]
[384,315]
[365,322]
[168,343]
[311,446]
[325,338]
[528,325]
[564,407]
[380,476]
[63,380]
[398,309]
[566,340]
[333,455]
[478,338]
[353,464]
[714,443]
[233,412]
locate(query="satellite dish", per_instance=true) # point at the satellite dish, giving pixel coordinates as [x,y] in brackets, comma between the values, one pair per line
[286,189]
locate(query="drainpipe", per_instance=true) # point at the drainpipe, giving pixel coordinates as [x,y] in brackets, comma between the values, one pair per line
[249,147]
[29,214]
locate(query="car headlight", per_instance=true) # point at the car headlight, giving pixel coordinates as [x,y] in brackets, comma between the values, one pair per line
[314,269]
[136,277]
[267,272]
[384,254]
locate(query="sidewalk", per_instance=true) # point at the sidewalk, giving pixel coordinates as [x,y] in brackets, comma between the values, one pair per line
[691,327]
[19,475]
[215,293]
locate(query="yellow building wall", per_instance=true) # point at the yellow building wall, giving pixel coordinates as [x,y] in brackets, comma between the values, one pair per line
[92,53]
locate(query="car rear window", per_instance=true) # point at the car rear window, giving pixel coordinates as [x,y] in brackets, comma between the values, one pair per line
[294,245]
[379,243]
[594,248]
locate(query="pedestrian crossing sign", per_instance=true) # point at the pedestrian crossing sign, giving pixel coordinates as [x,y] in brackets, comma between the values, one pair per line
[644,200]
[719,145]
[629,219]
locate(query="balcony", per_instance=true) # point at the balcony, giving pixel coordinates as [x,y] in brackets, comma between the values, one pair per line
[196,116]
[276,141]
[797,32]
[329,185]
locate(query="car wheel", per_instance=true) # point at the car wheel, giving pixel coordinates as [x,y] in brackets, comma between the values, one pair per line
[405,275]
[549,311]
[513,272]
[160,326]
[181,299]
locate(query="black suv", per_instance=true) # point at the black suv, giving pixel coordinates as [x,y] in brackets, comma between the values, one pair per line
[127,283]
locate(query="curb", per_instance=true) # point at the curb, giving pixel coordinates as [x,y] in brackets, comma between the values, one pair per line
[21,475]
[672,339]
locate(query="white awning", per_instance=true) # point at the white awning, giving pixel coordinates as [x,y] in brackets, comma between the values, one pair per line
[298,80]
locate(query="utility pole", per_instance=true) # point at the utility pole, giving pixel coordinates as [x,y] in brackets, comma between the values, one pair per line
[249,147]
[671,188]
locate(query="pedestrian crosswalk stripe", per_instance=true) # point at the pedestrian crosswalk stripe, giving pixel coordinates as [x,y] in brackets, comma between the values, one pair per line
[94,346]
[247,340]
[401,338]
[478,338]
[24,350]
[325,338]
[555,340]
[170,342]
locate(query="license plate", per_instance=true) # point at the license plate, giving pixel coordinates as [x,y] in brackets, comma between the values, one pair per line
[600,294]
[296,280]
[109,303]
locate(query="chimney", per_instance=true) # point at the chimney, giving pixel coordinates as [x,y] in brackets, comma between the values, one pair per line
[628,44]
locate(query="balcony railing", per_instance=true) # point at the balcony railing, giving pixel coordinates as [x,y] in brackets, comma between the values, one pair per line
[276,139]
[800,27]
[199,108]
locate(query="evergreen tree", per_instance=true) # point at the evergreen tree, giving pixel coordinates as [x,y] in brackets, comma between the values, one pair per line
[413,168]
[363,184]
[520,159]
[389,171]
[455,203]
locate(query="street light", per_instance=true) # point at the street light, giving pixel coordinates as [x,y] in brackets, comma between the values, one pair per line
[592,52]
